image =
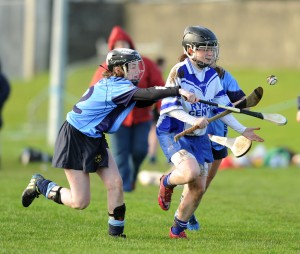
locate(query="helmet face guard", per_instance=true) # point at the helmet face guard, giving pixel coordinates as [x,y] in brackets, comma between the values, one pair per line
[199,38]
[130,61]
[211,54]
[134,71]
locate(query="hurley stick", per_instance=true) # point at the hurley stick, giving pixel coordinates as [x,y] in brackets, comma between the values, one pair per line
[239,146]
[250,101]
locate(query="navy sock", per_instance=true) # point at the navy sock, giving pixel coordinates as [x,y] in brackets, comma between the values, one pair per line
[178,226]
[167,182]
[43,186]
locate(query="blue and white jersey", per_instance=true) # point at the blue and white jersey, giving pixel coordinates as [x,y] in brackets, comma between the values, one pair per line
[103,107]
[204,83]
[234,92]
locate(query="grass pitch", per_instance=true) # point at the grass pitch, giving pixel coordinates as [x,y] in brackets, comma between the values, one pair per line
[254,210]
[244,211]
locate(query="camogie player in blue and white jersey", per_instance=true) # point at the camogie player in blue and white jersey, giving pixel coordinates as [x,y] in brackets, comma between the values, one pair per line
[219,128]
[192,154]
[81,147]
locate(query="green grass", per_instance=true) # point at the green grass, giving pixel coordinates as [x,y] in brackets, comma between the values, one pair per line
[244,211]
[249,211]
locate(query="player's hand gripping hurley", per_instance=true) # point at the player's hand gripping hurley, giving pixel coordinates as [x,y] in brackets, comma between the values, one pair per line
[250,101]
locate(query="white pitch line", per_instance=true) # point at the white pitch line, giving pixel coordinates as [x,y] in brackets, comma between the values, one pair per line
[279,106]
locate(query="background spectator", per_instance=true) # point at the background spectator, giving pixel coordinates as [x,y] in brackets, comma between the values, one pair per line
[4,93]
[152,138]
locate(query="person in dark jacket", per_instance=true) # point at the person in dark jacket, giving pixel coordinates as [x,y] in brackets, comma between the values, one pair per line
[4,93]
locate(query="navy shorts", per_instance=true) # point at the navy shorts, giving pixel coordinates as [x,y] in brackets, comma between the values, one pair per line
[220,154]
[74,150]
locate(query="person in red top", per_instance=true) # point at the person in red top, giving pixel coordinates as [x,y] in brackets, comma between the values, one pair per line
[130,143]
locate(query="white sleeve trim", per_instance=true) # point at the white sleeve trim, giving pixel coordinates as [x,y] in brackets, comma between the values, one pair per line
[182,116]
[231,121]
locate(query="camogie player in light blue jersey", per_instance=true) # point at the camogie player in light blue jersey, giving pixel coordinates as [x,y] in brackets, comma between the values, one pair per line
[192,155]
[81,147]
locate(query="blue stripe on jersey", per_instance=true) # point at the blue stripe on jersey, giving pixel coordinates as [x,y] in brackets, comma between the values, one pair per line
[112,122]
[204,83]
[171,124]
[221,93]
[192,80]
[103,107]
[170,104]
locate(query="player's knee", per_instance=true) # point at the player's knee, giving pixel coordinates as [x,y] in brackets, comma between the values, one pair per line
[200,191]
[191,174]
[80,204]
[197,195]
[197,188]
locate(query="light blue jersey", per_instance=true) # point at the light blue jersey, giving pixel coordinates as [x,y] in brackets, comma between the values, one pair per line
[103,107]
[204,83]
[234,92]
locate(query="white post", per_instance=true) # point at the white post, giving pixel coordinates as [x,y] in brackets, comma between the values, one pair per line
[57,68]
[29,38]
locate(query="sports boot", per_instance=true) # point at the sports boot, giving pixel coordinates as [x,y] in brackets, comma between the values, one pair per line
[174,236]
[193,223]
[31,192]
[164,195]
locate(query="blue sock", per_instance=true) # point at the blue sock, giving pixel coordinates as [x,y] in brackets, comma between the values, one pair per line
[178,226]
[167,182]
[44,186]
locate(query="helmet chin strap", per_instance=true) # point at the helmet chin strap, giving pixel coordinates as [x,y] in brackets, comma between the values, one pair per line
[134,81]
[125,71]
[201,64]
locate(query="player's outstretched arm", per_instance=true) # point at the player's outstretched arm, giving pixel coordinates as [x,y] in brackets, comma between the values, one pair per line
[157,93]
